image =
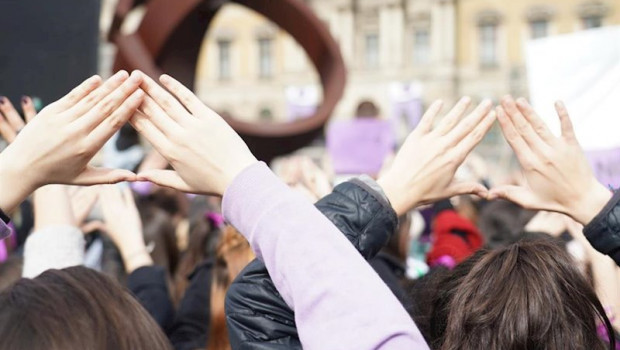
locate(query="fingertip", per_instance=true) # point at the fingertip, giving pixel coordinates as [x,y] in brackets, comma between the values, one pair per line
[94,80]
[121,74]
[138,94]
[165,79]
[465,100]
[507,100]
[559,105]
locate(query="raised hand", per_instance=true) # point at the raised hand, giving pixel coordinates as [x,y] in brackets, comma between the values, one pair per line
[10,121]
[205,151]
[423,170]
[57,145]
[557,174]
[124,226]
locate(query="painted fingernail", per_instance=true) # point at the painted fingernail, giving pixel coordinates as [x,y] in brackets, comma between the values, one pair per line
[25,100]
[2,100]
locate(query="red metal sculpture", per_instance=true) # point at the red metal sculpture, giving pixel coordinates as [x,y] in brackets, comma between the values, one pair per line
[169,40]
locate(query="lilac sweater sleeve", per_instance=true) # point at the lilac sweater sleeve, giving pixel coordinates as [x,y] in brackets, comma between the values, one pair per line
[339,301]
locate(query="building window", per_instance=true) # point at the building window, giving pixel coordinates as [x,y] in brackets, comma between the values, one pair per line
[224,59]
[421,46]
[372,50]
[592,22]
[265,53]
[539,28]
[488,45]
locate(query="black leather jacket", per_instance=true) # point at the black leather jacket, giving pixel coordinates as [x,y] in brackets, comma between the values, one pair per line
[603,232]
[257,316]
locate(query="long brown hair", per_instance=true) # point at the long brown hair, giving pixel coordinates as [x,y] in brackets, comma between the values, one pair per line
[233,254]
[529,295]
[75,308]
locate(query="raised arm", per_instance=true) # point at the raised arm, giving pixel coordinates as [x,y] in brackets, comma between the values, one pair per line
[339,302]
[57,145]
[558,176]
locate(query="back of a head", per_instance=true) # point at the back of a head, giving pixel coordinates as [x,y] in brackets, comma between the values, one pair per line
[529,295]
[75,308]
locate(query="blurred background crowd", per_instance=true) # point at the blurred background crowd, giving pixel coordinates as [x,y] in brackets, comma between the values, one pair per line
[400,56]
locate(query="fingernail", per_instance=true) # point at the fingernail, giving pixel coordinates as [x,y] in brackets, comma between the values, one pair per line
[2,100]
[25,100]
[466,99]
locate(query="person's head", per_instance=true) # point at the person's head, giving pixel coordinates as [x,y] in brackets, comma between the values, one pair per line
[501,222]
[10,271]
[367,109]
[75,308]
[233,254]
[528,295]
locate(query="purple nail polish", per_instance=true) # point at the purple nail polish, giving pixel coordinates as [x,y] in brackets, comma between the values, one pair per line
[24,100]
[2,100]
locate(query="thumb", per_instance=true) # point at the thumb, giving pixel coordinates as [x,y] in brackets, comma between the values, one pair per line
[516,194]
[165,178]
[457,188]
[97,176]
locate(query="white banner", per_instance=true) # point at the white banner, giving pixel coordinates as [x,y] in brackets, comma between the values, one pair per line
[583,70]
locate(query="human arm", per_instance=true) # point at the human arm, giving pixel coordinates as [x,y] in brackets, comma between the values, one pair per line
[124,226]
[256,314]
[56,147]
[558,176]
[339,301]
[56,241]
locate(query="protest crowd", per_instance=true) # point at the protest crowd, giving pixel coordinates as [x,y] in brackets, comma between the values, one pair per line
[198,245]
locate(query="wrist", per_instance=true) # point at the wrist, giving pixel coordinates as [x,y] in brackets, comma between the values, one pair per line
[15,185]
[400,199]
[136,259]
[232,173]
[591,203]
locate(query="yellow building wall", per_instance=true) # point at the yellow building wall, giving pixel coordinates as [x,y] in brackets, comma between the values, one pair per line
[514,30]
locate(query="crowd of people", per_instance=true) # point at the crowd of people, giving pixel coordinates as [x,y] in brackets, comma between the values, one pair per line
[198,245]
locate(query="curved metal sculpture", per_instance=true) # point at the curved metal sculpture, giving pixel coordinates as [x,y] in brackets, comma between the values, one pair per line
[170,36]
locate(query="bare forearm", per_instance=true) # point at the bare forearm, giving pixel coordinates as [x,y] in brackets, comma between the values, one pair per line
[52,207]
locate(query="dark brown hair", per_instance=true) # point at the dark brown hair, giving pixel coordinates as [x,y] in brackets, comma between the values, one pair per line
[75,308]
[529,295]
[233,254]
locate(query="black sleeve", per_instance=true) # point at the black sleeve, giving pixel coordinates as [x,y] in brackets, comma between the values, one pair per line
[256,315]
[603,232]
[148,285]
[190,328]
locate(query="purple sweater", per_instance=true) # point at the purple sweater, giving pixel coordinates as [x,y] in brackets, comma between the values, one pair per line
[338,300]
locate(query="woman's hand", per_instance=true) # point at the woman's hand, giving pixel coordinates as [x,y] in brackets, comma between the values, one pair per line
[205,151]
[10,121]
[57,145]
[124,226]
[557,174]
[423,170]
